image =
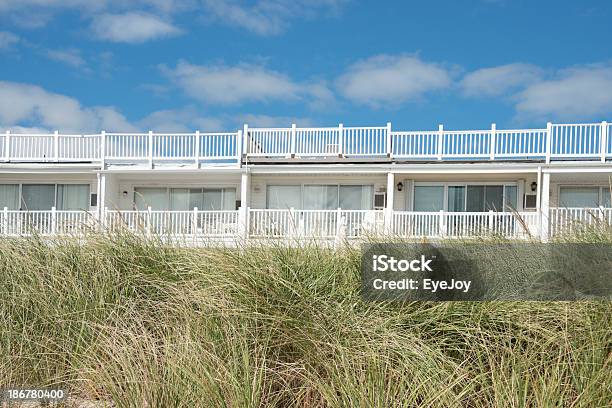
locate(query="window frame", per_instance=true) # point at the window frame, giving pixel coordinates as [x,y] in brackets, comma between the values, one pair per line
[54,184]
[465,184]
[602,189]
[189,187]
[337,185]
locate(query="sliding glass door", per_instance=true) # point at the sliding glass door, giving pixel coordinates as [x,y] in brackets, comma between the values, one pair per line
[9,196]
[38,196]
[72,197]
[184,199]
[320,197]
[428,198]
[465,197]
[356,197]
[584,197]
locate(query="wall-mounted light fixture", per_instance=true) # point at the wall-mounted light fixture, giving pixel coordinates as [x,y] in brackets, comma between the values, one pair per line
[534,186]
[124,194]
[400,186]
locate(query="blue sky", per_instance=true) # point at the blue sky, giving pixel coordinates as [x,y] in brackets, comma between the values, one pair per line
[181,65]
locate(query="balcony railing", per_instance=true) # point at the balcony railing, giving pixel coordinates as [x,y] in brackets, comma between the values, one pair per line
[591,141]
[336,225]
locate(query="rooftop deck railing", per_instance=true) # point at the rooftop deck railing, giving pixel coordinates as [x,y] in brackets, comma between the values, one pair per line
[590,141]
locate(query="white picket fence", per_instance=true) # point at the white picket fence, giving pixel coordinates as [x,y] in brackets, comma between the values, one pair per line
[465,224]
[306,224]
[555,142]
[576,220]
[46,223]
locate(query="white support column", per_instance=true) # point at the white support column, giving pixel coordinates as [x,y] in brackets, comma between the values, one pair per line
[102,200]
[196,152]
[194,222]
[292,141]
[243,211]
[53,220]
[5,221]
[538,186]
[604,140]
[245,140]
[442,224]
[103,150]
[56,146]
[7,146]
[545,207]
[340,140]
[149,230]
[492,145]
[239,147]
[150,151]
[520,193]
[549,135]
[389,147]
[440,141]
[390,201]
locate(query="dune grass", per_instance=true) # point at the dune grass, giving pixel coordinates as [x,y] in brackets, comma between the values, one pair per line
[133,322]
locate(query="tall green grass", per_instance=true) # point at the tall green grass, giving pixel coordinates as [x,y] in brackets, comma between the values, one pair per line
[134,322]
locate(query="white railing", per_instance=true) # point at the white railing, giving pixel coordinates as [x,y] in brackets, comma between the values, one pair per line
[306,224]
[576,220]
[51,222]
[446,224]
[555,142]
[571,140]
[325,224]
[269,142]
[175,223]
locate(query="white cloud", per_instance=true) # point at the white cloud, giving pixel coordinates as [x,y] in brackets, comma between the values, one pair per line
[7,39]
[227,85]
[499,80]
[274,121]
[268,17]
[26,108]
[70,57]
[26,105]
[179,121]
[574,93]
[385,79]
[133,27]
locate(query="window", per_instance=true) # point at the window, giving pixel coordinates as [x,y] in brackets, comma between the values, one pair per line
[356,197]
[510,198]
[37,196]
[284,197]
[184,199]
[470,197]
[9,196]
[72,196]
[584,197]
[156,198]
[320,197]
[428,198]
[43,197]
[456,198]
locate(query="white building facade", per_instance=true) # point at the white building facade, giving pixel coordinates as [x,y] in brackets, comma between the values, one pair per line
[333,183]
